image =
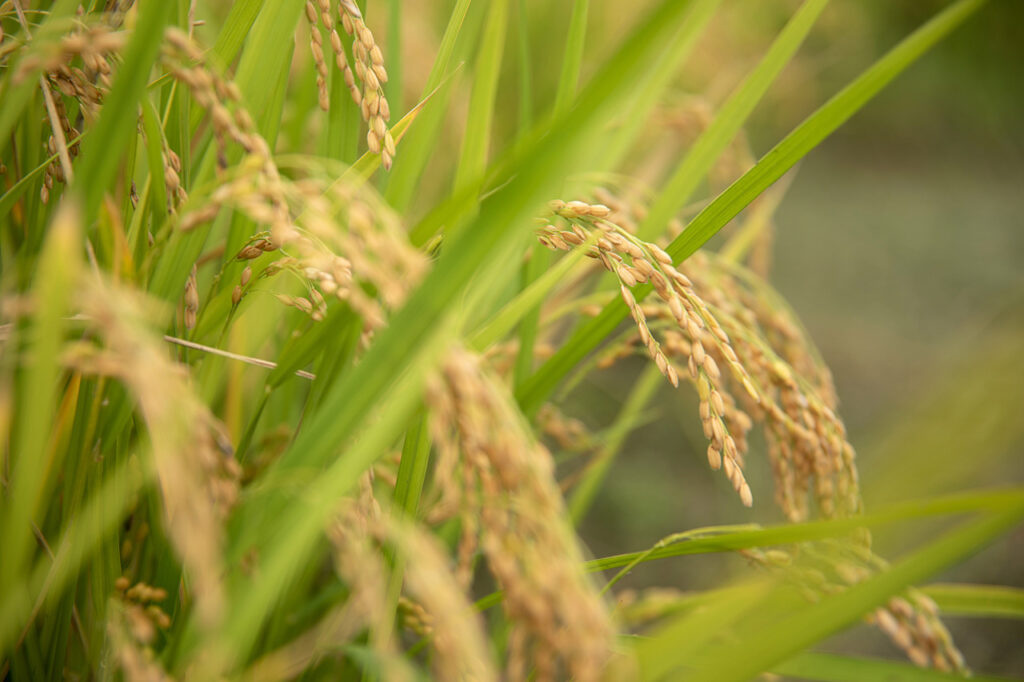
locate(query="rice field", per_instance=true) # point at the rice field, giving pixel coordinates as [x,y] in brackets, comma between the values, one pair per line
[330,328]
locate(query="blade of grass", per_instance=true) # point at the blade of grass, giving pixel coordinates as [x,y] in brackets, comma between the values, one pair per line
[230,39]
[405,175]
[525,68]
[15,192]
[815,622]
[394,56]
[684,637]
[819,126]
[96,519]
[540,258]
[236,27]
[412,470]
[835,668]
[267,54]
[657,79]
[572,60]
[369,162]
[116,126]
[538,263]
[977,601]
[737,196]
[685,536]
[505,320]
[344,129]
[31,469]
[154,157]
[629,417]
[479,120]
[989,502]
[680,186]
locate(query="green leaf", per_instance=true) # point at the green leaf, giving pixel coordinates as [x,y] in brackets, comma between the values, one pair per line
[408,168]
[805,626]
[412,470]
[11,196]
[98,518]
[630,416]
[267,55]
[235,29]
[730,118]
[987,501]
[836,668]
[477,135]
[977,601]
[32,454]
[680,641]
[524,50]
[636,114]
[817,127]
[505,320]
[394,58]
[369,162]
[116,127]
[572,61]
[230,39]
[154,157]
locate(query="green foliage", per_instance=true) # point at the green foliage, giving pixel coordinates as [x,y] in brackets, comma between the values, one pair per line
[213,466]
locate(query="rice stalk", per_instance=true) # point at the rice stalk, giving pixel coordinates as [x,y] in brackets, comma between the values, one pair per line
[197,475]
[501,484]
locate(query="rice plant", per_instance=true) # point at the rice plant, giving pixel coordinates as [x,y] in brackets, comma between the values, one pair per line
[291,304]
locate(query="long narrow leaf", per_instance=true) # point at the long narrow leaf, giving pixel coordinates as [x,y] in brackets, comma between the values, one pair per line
[835,668]
[762,650]
[731,117]
[102,149]
[978,601]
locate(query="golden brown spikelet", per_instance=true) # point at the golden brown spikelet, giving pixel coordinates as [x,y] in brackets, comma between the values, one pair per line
[343,236]
[774,374]
[94,46]
[776,379]
[129,644]
[456,631]
[195,467]
[190,300]
[807,443]
[496,473]
[910,621]
[570,434]
[369,69]
[635,262]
